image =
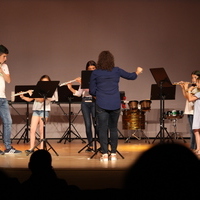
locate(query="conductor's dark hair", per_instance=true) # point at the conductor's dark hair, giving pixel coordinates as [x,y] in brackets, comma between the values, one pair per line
[105,61]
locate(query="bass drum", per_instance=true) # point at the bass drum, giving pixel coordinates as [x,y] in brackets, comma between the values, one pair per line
[133,120]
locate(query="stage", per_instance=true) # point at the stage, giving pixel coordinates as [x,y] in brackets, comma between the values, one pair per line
[78,168]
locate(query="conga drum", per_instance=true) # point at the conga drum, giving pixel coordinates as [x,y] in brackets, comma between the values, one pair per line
[133,105]
[145,105]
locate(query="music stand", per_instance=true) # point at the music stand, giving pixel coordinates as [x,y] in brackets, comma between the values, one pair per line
[66,96]
[44,89]
[18,99]
[162,91]
[85,79]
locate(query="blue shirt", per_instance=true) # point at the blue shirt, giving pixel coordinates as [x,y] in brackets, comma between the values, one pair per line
[104,85]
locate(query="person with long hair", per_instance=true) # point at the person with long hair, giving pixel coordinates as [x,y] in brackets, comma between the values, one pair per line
[189,106]
[38,114]
[104,86]
[87,105]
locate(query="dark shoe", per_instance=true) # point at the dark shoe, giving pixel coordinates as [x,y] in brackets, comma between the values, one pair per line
[29,151]
[89,150]
[1,152]
[11,151]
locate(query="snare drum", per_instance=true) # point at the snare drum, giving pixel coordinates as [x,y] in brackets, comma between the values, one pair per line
[145,105]
[133,105]
[174,114]
[133,120]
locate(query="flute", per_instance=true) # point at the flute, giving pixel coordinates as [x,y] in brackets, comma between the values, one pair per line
[178,83]
[65,83]
[17,94]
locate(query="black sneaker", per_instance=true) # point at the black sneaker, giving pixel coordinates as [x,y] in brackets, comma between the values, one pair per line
[1,152]
[29,151]
[89,150]
[11,151]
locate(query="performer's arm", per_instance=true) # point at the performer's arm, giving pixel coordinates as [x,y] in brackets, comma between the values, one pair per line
[5,76]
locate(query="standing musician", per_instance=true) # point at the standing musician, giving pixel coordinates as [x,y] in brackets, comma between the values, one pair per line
[189,106]
[38,114]
[4,108]
[196,119]
[87,105]
[104,86]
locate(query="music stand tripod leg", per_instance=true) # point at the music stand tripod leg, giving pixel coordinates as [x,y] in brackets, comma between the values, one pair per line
[24,136]
[69,131]
[77,134]
[18,133]
[96,150]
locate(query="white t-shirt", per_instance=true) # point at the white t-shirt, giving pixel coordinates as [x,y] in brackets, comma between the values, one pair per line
[4,67]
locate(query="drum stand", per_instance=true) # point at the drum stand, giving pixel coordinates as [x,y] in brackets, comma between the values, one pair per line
[175,134]
[138,138]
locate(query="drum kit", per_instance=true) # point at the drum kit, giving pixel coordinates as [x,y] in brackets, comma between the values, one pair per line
[134,117]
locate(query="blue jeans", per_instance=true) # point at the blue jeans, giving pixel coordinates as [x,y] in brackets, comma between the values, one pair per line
[107,121]
[192,136]
[88,111]
[7,122]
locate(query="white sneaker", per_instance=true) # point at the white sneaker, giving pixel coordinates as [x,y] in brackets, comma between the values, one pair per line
[113,156]
[104,157]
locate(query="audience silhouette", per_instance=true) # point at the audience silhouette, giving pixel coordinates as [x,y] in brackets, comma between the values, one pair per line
[165,171]
[9,187]
[43,182]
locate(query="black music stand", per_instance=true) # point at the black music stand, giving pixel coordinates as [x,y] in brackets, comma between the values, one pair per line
[85,78]
[66,96]
[163,90]
[23,88]
[44,89]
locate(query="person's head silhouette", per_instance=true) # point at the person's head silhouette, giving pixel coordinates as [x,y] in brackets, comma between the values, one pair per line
[40,160]
[166,168]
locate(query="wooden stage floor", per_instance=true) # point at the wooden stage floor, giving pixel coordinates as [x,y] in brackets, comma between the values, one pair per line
[78,168]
